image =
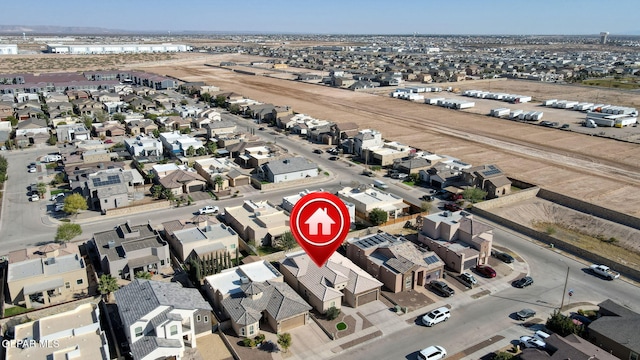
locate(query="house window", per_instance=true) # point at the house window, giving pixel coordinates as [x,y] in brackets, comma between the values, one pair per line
[173,330]
[67,285]
[206,319]
[105,200]
[333,303]
[634,356]
[79,281]
[241,331]
[233,246]
[161,262]
[198,318]
[251,330]
[138,331]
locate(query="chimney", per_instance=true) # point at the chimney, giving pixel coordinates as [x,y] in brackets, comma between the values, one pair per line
[111,244]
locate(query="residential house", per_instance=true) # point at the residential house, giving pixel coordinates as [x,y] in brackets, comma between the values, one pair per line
[107,189]
[441,176]
[211,114]
[183,182]
[489,178]
[261,112]
[366,199]
[289,169]
[230,173]
[66,334]
[342,131]
[6,110]
[127,249]
[398,263]
[217,128]
[254,293]
[32,131]
[256,156]
[616,330]
[200,242]
[569,347]
[71,132]
[97,155]
[162,170]
[162,319]
[288,202]
[49,275]
[258,222]
[144,146]
[365,139]
[387,154]
[108,128]
[338,280]
[459,240]
[138,127]
[175,122]
[179,144]
[86,107]
[105,96]
[412,165]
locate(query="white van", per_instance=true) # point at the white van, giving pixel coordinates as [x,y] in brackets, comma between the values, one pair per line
[434,352]
[380,184]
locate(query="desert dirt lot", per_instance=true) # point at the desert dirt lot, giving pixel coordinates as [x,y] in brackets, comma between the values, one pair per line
[603,171]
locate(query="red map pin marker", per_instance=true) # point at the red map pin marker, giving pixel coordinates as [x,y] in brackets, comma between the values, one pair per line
[320,223]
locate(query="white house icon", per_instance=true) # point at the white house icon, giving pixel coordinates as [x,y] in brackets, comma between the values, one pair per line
[320,217]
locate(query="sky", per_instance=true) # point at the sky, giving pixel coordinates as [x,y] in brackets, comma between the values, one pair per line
[454,17]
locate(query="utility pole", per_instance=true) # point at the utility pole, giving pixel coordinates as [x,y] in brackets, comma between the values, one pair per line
[566,280]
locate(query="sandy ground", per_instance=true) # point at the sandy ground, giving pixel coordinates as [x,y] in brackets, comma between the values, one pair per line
[599,170]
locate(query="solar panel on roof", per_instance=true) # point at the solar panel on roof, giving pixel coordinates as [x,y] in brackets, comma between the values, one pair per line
[431,259]
[111,179]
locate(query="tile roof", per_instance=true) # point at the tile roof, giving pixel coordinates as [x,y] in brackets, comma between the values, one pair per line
[177,178]
[278,300]
[622,328]
[140,297]
[147,344]
[289,165]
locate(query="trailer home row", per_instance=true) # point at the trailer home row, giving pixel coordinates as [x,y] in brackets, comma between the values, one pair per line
[452,103]
[511,98]
[500,112]
[402,92]
[610,120]
[588,106]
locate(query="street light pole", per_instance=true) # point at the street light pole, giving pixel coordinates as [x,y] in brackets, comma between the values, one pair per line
[566,280]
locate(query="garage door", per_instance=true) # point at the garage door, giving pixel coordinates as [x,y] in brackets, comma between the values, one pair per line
[367,298]
[194,188]
[242,181]
[470,263]
[292,323]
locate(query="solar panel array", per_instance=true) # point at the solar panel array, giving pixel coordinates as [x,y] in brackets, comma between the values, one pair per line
[111,179]
[493,170]
[431,259]
[375,240]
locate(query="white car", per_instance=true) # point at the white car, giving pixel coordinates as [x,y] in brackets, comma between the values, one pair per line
[34,197]
[469,278]
[208,210]
[436,316]
[434,352]
[532,342]
[59,207]
[57,196]
[32,169]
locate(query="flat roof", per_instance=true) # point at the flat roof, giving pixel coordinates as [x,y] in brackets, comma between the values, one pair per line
[228,282]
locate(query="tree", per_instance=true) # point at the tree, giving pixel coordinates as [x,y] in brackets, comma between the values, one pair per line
[107,284]
[88,121]
[425,207]
[183,102]
[220,100]
[218,181]
[191,151]
[58,179]
[563,325]
[52,140]
[156,133]
[42,188]
[284,340]
[156,191]
[287,241]
[13,120]
[206,97]
[332,313]
[503,355]
[474,194]
[67,232]
[143,275]
[10,144]
[201,151]
[378,216]
[415,178]
[101,116]
[212,147]
[234,109]
[119,117]
[74,203]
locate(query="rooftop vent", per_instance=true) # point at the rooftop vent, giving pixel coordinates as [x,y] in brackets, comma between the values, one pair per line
[244,279]
[111,244]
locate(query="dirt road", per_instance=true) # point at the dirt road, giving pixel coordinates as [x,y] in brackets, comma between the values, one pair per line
[599,170]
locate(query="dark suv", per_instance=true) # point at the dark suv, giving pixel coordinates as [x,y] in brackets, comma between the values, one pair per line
[442,288]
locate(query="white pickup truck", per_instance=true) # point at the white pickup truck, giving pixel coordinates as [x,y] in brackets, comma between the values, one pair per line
[604,271]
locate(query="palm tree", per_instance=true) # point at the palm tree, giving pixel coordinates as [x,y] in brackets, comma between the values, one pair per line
[219,182]
[107,285]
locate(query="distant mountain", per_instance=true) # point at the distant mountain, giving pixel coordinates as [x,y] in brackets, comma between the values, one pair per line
[57,30]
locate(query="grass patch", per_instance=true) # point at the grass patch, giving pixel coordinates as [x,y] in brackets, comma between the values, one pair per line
[65,220]
[409,182]
[341,326]
[624,83]
[326,173]
[51,165]
[599,244]
[266,250]
[59,191]
[15,311]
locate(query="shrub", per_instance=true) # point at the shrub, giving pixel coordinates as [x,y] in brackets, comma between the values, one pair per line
[259,338]
[332,313]
[503,355]
[248,342]
[550,230]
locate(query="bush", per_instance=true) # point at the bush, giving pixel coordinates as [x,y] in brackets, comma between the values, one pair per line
[259,338]
[332,313]
[503,355]
[248,342]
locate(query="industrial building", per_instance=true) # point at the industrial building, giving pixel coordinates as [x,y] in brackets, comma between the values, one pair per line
[115,48]
[8,49]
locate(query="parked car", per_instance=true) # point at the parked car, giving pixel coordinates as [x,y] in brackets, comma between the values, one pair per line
[434,352]
[208,210]
[442,288]
[469,278]
[505,257]
[34,197]
[524,282]
[532,342]
[426,198]
[565,126]
[58,196]
[368,173]
[525,314]
[452,207]
[333,158]
[59,207]
[317,151]
[32,169]
[486,271]
[436,316]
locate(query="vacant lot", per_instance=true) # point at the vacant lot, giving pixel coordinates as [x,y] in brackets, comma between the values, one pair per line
[602,171]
